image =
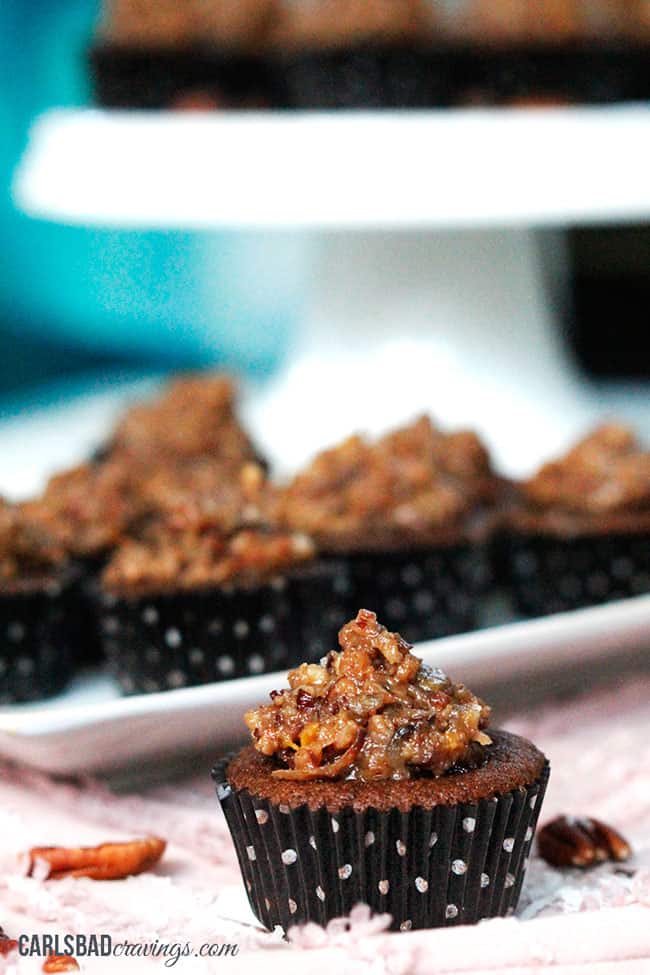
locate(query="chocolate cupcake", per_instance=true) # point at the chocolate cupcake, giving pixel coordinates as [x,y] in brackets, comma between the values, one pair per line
[208,587]
[357,54]
[579,530]
[194,54]
[373,779]
[410,515]
[186,442]
[36,614]
[88,510]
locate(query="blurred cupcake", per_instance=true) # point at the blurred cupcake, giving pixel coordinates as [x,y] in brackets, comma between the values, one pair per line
[579,529]
[373,779]
[188,440]
[410,515]
[88,509]
[193,416]
[356,54]
[208,587]
[36,642]
[194,54]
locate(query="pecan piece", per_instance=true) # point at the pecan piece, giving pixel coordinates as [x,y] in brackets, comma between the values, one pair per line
[7,944]
[570,841]
[110,861]
[60,963]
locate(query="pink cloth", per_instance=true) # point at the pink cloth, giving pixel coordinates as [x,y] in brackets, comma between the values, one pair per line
[590,923]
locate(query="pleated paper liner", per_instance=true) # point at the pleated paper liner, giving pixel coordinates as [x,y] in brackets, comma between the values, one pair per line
[554,575]
[421,593]
[85,622]
[426,868]
[363,76]
[162,642]
[140,77]
[37,641]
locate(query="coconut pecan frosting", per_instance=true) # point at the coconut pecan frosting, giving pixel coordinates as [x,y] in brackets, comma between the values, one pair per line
[417,485]
[370,711]
[602,483]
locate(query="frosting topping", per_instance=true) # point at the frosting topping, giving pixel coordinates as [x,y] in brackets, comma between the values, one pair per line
[605,473]
[416,483]
[370,711]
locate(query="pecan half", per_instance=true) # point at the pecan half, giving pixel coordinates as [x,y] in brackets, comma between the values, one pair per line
[60,963]
[7,944]
[110,861]
[570,841]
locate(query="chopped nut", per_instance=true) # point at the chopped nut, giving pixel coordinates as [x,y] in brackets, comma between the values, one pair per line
[7,944]
[414,483]
[110,861]
[60,963]
[580,842]
[606,472]
[370,711]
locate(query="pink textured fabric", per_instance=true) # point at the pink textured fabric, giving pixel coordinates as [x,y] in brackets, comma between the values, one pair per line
[576,923]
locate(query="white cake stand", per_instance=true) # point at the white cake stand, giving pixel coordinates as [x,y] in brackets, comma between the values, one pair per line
[438,246]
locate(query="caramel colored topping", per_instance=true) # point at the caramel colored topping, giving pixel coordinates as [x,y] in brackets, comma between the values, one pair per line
[88,508]
[201,528]
[415,484]
[194,416]
[370,711]
[332,23]
[181,23]
[201,494]
[27,549]
[168,560]
[606,473]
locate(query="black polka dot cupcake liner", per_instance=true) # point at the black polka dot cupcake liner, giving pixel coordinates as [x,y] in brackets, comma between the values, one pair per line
[426,867]
[361,77]
[422,594]
[85,620]
[164,642]
[158,78]
[590,73]
[37,642]
[554,575]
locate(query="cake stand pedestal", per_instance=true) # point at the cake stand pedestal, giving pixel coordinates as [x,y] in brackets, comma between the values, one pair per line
[435,252]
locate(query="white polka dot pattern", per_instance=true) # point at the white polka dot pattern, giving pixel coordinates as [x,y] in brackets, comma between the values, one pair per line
[173,637]
[325,863]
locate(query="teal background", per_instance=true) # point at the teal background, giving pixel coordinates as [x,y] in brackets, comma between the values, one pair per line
[77,299]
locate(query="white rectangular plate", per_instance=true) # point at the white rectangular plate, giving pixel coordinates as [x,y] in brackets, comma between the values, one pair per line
[92,729]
